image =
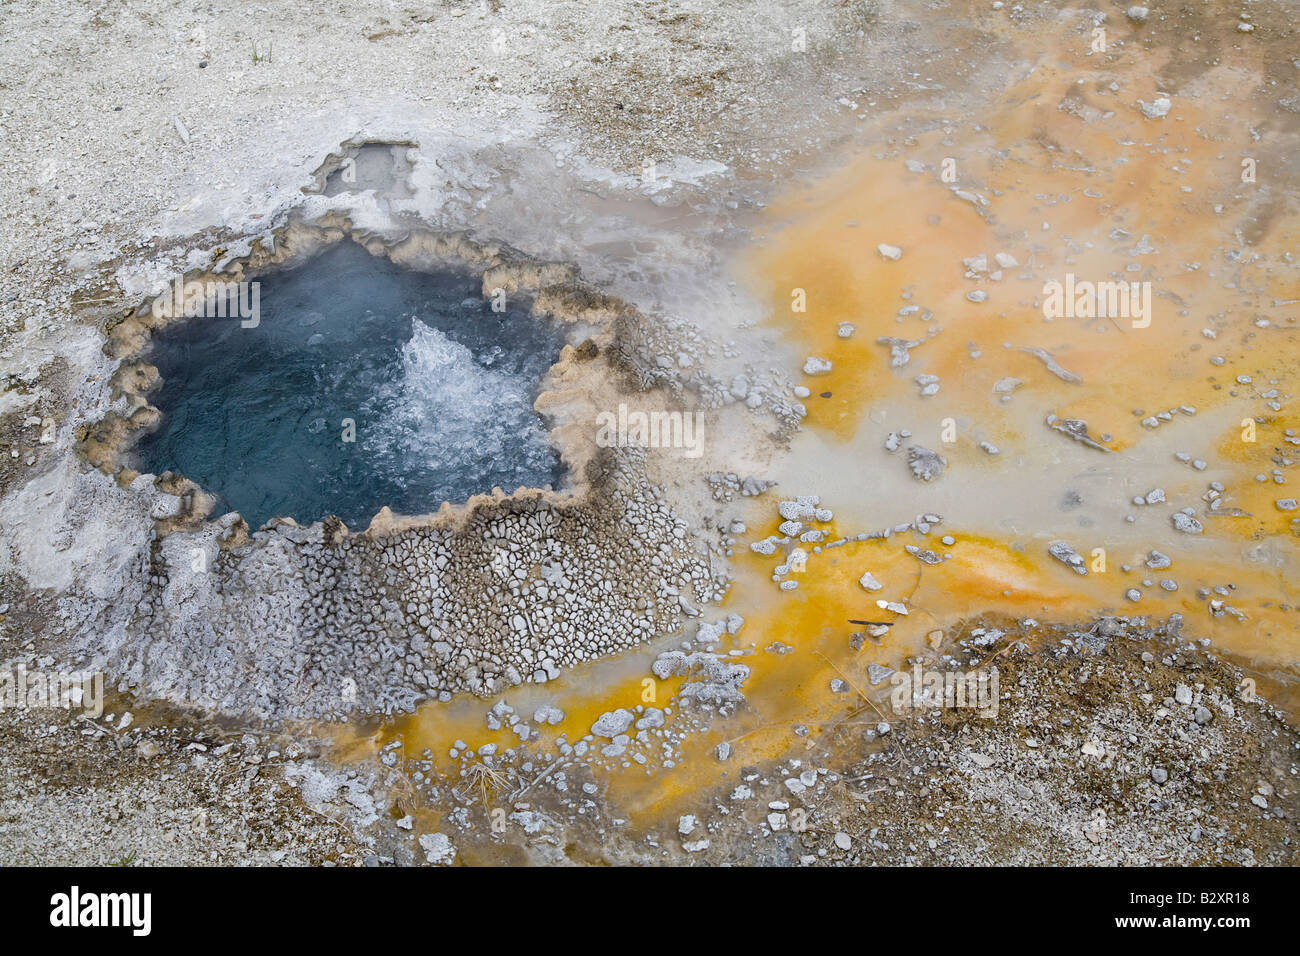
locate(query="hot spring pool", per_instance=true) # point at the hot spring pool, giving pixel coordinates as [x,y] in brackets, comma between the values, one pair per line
[438,386]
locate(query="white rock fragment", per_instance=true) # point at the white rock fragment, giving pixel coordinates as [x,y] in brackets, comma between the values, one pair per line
[869,582]
[1062,551]
[1157,108]
[438,849]
[546,714]
[877,673]
[899,349]
[612,723]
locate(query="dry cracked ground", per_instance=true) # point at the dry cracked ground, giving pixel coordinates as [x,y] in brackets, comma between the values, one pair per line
[953,576]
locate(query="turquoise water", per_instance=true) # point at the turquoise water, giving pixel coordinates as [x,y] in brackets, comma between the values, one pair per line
[439,387]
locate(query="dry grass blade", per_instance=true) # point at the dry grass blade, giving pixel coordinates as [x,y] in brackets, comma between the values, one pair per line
[486,780]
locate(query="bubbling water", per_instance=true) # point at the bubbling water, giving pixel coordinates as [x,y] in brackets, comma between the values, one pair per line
[363,384]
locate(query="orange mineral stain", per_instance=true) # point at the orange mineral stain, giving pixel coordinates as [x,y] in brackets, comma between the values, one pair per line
[1066,178]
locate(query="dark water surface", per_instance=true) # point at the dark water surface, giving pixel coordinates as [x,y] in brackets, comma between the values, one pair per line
[439,386]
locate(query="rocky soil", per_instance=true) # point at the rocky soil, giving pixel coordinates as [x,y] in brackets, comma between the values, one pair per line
[1121,744]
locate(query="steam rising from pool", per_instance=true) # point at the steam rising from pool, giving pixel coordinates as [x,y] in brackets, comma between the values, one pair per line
[439,386]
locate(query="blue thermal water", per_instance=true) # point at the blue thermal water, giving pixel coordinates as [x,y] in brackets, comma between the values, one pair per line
[439,386]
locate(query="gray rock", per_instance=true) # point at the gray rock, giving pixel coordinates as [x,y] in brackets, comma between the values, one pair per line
[612,723]
[1067,556]
[877,673]
[899,349]
[438,849]
[1156,109]
[925,464]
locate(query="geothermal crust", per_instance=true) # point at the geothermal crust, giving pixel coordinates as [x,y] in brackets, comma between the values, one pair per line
[299,622]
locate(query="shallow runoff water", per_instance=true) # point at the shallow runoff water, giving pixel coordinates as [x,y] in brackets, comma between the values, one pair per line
[363,384]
